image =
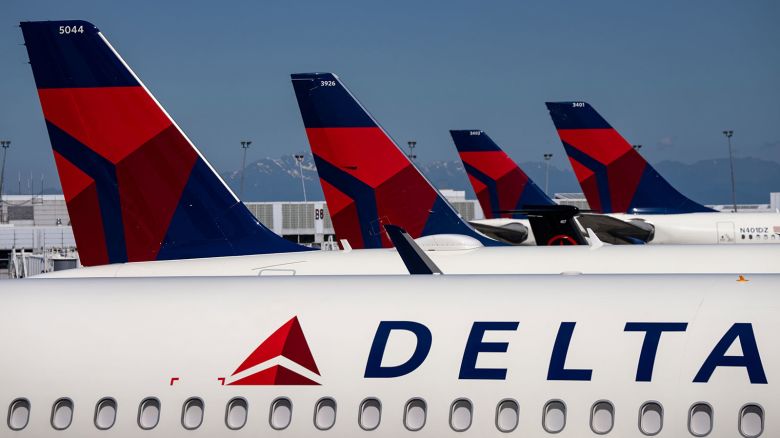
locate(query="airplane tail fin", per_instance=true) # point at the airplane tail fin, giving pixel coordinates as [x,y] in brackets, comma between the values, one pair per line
[612,174]
[136,188]
[497,180]
[367,180]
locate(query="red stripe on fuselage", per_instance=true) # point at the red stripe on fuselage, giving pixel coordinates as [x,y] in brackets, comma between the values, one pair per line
[112,121]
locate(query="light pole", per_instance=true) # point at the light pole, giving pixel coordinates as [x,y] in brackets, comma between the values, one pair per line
[412,144]
[5,144]
[728,134]
[244,145]
[547,158]
[299,159]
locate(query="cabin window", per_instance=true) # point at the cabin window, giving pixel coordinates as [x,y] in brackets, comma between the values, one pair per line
[651,418]
[700,419]
[236,413]
[325,413]
[149,413]
[554,416]
[415,414]
[370,414]
[62,414]
[192,413]
[507,415]
[602,417]
[461,412]
[281,413]
[18,414]
[751,421]
[105,413]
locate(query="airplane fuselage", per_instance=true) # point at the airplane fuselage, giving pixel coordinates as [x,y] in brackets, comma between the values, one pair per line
[484,354]
[620,259]
[711,228]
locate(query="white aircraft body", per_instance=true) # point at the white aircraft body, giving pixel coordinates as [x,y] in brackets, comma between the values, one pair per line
[688,228]
[711,228]
[607,259]
[675,356]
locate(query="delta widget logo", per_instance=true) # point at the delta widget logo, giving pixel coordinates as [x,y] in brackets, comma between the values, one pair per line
[274,361]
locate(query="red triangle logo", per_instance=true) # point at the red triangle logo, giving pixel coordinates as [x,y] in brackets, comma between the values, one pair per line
[287,341]
[276,375]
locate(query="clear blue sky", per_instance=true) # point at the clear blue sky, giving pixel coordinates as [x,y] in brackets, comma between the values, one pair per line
[668,74]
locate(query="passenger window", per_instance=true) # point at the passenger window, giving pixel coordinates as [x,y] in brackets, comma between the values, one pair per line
[281,413]
[751,421]
[62,414]
[192,413]
[507,415]
[554,416]
[18,414]
[325,414]
[105,413]
[370,414]
[236,413]
[415,414]
[651,418]
[149,413]
[700,419]
[460,415]
[602,417]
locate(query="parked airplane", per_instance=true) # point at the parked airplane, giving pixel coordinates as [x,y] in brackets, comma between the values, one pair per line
[674,356]
[367,179]
[617,180]
[108,202]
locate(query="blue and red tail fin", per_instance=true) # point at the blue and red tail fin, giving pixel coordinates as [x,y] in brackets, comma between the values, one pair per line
[135,186]
[367,180]
[500,184]
[612,174]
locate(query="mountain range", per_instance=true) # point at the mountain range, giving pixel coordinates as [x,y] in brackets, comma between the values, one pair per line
[706,181]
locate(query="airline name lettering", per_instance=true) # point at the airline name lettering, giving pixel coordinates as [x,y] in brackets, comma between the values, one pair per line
[741,333]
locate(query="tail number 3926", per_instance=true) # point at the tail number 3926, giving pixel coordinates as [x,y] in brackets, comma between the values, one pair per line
[67,30]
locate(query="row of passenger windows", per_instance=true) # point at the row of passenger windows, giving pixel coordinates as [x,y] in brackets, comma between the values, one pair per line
[602,415]
[759,236]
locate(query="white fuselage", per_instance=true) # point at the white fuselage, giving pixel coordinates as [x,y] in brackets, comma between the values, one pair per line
[608,259]
[528,340]
[691,228]
[711,228]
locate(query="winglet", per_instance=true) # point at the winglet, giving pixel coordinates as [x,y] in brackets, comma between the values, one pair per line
[593,240]
[415,259]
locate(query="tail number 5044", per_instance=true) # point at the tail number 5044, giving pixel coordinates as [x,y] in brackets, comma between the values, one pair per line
[67,30]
